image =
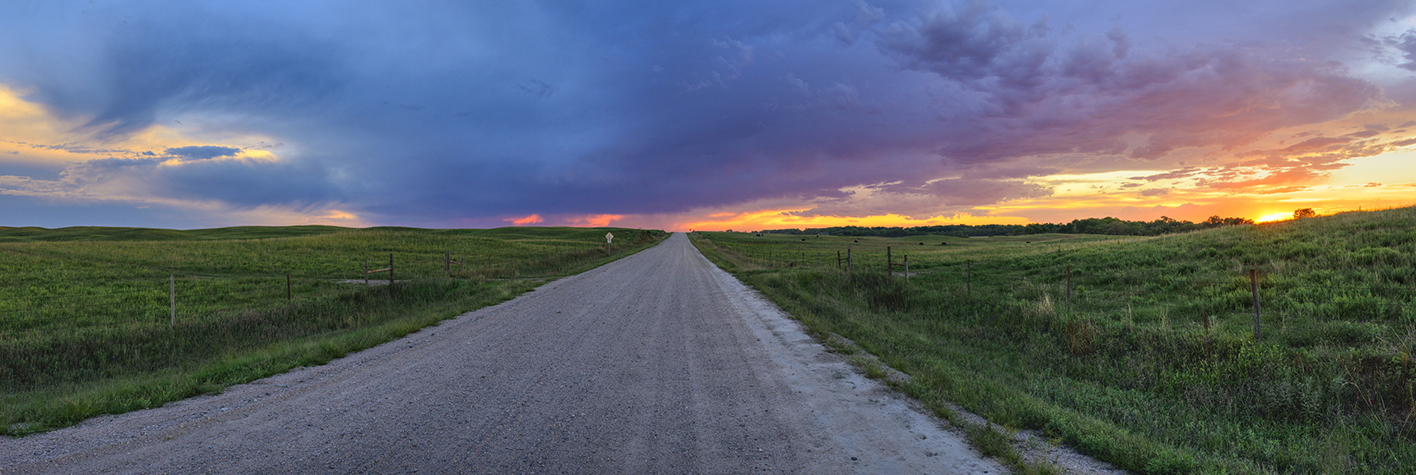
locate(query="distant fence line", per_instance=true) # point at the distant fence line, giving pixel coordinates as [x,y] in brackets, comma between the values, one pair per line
[1259,289]
[164,294]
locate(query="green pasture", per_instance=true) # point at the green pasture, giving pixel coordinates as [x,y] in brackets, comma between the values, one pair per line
[1148,359]
[87,323]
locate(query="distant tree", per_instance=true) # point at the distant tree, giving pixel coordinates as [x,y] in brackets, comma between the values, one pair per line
[1215,221]
[1304,213]
[1237,221]
[1107,225]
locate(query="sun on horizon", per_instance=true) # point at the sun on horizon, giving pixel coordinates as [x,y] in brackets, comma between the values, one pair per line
[1269,218]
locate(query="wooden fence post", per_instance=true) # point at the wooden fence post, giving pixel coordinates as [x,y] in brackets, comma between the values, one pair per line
[390,270]
[1254,284]
[907,268]
[447,262]
[889,261]
[1069,288]
[172,294]
[287,287]
[849,266]
[366,272]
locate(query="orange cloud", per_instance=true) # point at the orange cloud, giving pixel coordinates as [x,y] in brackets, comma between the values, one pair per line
[286,216]
[594,220]
[532,219]
[31,134]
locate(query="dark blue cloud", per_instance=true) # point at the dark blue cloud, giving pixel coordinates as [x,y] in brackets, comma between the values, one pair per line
[30,169]
[239,183]
[446,110]
[202,152]
[1406,45]
[48,213]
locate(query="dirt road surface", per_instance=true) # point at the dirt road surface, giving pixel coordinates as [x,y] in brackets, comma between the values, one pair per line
[656,363]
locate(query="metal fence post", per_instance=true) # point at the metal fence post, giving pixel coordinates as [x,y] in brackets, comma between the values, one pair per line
[172,294]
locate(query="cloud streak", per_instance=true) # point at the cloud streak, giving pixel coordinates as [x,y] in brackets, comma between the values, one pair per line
[202,152]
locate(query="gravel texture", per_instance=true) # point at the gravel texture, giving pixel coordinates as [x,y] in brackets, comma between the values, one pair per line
[656,363]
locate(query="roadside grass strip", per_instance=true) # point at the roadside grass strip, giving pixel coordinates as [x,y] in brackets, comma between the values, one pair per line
[88,326]
[1139,351]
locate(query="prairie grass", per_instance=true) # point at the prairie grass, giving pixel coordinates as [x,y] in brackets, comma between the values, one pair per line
[86,322]
[1150,361]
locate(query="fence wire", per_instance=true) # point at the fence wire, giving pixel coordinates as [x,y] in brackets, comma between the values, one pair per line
[1338,302]
[198,293]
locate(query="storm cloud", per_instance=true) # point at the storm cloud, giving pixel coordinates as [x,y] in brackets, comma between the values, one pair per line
[451,112]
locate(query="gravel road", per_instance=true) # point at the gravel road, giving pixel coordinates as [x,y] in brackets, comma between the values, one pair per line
[656,363]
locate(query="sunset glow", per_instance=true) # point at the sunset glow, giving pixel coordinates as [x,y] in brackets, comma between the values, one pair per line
[789,219]
[908,113]
[1269,218]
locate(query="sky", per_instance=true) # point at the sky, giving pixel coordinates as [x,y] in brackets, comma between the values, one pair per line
[703,115]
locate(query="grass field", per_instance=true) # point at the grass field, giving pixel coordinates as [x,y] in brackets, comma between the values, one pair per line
[1148,359]
[86,314]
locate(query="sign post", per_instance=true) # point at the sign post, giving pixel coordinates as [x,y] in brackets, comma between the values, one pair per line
[608,237]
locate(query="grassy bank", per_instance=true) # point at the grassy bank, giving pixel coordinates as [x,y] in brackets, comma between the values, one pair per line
[87,324]
[1148,359]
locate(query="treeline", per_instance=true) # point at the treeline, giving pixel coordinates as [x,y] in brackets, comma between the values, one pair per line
[1107,225]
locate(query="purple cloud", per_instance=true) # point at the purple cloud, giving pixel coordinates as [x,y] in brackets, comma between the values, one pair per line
[1406,44]
[1052,97]
[455,111]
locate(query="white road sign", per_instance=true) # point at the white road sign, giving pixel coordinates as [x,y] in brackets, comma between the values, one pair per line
[609,237]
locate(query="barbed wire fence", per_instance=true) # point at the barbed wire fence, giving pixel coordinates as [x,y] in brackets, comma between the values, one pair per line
[176,296]
[1269,298]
